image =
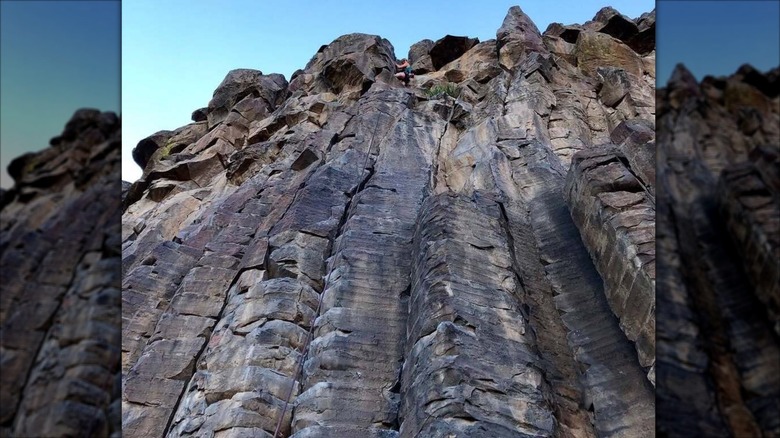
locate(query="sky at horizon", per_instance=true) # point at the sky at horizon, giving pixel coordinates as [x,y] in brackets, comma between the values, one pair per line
[176,52]
[715,38]
[56,57]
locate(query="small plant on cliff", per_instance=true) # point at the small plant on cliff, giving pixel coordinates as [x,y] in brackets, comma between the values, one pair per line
[438,91]
[166,150]
[29,166]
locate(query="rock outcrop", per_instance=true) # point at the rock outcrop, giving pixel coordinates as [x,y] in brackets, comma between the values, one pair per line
[718,229]
[344,256]
[59,308]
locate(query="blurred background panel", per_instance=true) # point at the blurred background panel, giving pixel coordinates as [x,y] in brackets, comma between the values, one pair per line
[718,219]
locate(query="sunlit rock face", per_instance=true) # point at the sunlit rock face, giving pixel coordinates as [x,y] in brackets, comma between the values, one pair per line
[341,255]
[60,261]
[718,313]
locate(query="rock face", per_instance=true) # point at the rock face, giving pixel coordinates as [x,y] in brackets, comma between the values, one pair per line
[355,258]
[718,318]
[449,48]
[60,264]
[420,58]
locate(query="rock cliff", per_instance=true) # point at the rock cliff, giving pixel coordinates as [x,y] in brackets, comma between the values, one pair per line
[718,229]
[343,256]
[60,258]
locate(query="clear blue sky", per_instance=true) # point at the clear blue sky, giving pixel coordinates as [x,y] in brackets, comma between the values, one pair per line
[716,37]
[176,52]
[56,57]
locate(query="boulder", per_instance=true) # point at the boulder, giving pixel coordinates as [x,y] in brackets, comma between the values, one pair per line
[595,49]
[351,63]
[200,114]
[517,36]
[450,48]
[616,24]
[615,85]
[420,58]
[560,48]
[20,165]
[145,148]
[568,33]
[478,65]
[635,139]
[241,83]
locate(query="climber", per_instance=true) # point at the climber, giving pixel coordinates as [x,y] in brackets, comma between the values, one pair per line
[406,71]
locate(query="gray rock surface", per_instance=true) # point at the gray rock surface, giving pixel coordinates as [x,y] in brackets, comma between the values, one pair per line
[420,57]
[364,259]
[616,216]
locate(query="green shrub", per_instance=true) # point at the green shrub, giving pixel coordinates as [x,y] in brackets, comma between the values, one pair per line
[166,150]
[438,91]
[29,166]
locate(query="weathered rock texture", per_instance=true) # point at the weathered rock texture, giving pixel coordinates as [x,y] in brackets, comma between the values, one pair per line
[397,264]
[718,318]
[59,307]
